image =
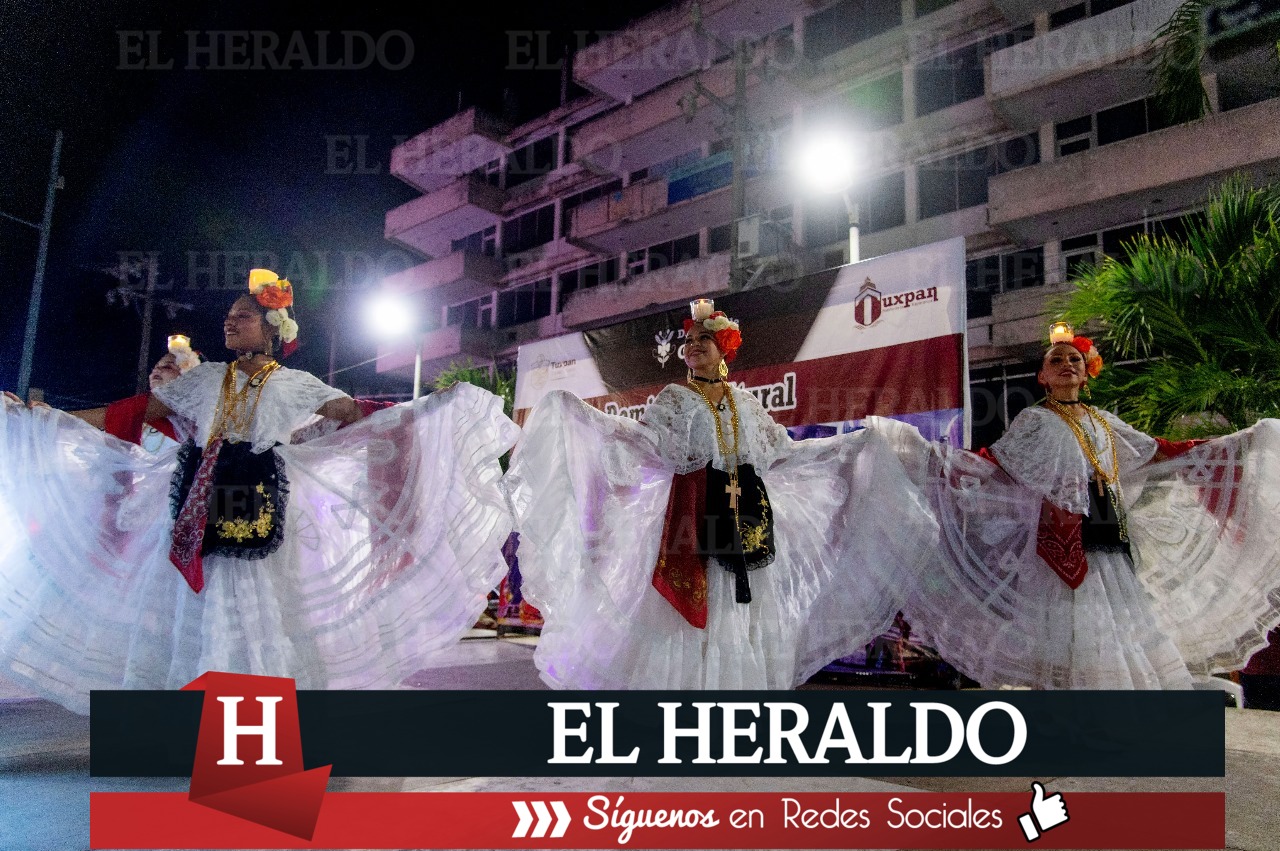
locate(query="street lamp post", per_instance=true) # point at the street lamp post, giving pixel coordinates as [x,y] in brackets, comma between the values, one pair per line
[393,318]
[417,366]
[827,164]
[851,207]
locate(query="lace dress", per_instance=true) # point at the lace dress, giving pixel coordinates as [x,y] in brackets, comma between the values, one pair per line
[392,535]
[1195,594]
[590,493]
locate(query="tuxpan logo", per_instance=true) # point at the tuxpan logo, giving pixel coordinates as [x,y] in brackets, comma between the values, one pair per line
[544,367]
[870,304]
[662,352]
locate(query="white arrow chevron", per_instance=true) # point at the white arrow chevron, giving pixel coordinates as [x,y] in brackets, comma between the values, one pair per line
[562,819]
[526,819]
[544,819]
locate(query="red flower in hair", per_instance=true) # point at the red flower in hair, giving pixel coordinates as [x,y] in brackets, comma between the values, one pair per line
[275,297]
[1092,360]
[729,341]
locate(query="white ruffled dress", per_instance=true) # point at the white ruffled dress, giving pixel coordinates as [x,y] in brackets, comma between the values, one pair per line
[393,535]
[590,495]
[1198,595]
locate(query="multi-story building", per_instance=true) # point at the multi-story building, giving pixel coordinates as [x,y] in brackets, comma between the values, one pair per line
[1025,126]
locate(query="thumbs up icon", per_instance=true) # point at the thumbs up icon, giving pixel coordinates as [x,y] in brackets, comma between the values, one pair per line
[1045,813]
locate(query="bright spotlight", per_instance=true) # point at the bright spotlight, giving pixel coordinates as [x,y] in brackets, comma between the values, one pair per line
[826,163]
[389,316]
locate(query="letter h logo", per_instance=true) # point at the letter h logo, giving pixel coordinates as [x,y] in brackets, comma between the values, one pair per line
[272,790]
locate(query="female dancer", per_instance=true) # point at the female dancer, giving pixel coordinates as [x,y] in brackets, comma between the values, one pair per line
[700,547]
[1089,555]
[343,563]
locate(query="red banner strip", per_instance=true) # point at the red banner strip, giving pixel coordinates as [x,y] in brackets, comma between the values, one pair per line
[516,820]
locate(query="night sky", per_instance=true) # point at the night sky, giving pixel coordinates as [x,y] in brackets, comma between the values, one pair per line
[209,166]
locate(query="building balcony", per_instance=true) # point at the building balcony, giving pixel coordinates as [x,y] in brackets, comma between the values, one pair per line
[452,148]
[671,206]
[431,223]
[706,276]
[655,128]
[440,348]
[451,279]
[1080,68]
[1167,171]
[663,46]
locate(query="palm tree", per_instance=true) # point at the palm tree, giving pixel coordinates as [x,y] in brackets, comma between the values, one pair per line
[1180,91]
[1198,319]
[499,382]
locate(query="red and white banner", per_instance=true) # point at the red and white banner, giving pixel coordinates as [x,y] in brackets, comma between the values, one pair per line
[885,337]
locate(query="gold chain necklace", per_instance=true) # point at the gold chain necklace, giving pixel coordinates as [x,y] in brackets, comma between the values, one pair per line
[1108,481]
[235,416]
[732,488]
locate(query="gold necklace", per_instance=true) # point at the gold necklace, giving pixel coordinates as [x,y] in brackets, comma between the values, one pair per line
[234,415]
[1108,481]
[732,488]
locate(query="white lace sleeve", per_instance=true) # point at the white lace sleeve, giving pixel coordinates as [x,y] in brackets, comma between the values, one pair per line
[289,400]
[765,441]
[193,394]
[672,420]
[1133,447]
[1041,453]
[308,393]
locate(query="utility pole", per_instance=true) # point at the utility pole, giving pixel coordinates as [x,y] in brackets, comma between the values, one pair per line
[148,308]
[37,285]
[740,129]
[739,190]
[147,268]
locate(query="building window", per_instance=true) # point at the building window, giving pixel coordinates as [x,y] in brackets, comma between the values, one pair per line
[1079,11]
[534,228]
[663,254]
[719,238]
[874,105]
[467,313]
[481,242]
[955,183]
[847,23]
[524,304]
[1001,273]
[959,76]
[1125,121]
[490,172]
[1087,249]
[572,202]
[533,161]
[586,277]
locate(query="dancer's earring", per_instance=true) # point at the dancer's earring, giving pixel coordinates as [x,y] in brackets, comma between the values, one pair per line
[689,375]
[723,370]
[1085,391]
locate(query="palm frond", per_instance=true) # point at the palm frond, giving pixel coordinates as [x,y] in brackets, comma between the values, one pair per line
[1180,93]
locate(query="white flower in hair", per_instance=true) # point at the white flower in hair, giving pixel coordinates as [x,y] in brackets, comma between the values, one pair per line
[288,330]
[276,317]
[720,323]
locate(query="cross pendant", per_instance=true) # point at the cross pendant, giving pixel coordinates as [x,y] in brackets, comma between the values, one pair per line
[734,492]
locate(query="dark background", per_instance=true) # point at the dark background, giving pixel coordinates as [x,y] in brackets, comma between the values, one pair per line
[209,167]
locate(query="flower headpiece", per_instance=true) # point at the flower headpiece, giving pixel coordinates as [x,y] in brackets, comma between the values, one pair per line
[1061,332]
[727,332]
[276,294]
[183,355]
